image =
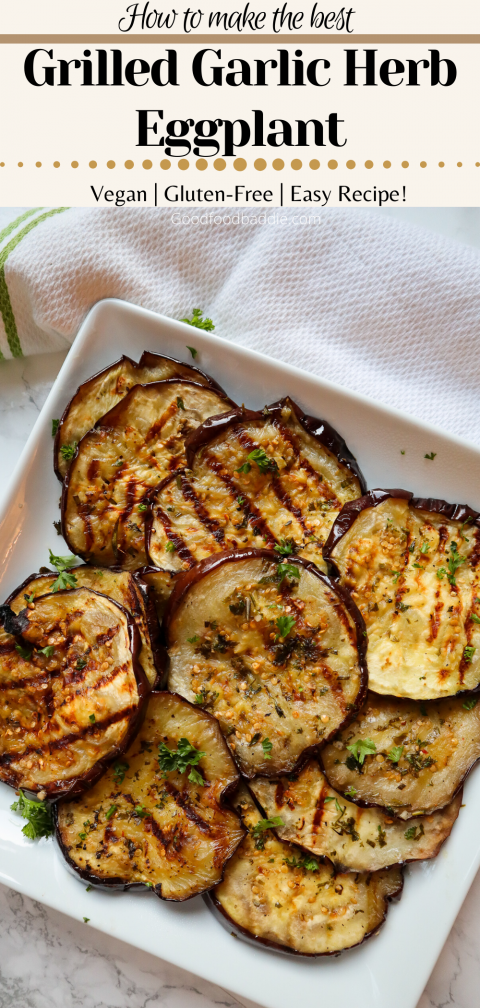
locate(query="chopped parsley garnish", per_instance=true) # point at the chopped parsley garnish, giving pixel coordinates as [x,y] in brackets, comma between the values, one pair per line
[425,547]
[402,607]
[468,652]
[24,652]
[111,811]
[80,664]
[119,770]
[185,756]
[67,451]
[395,753]
[267,748]
[285,547]
[412,834]
[284,624]
[38,815]
[441,573]
[261,826]
[261,459]
[170,547]
[199,322]
[141,811]
[470,704]
[86,920]
[454,561]
[142,507]
[304,861]
[92,718]
[381,840]
[288,570]
[396,575]
[475,618]
[194,639]
[349,793]
[30,598]
[180,403]
[191,348]
[431,456]
[55,424]
[48,651]
[65,579]
[361,748]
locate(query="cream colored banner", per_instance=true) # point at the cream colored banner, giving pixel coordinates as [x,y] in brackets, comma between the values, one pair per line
[310,126]
[248,18]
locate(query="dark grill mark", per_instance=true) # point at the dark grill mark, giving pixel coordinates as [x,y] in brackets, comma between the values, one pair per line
[183,802]
[279,793]
[209,523]
[180,546]
[156,428]
[324,490]
[93,469]
[7,758]
[435,619]
[284,499]
[249,509]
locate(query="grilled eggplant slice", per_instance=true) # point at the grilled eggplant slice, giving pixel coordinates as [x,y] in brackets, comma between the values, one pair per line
[274,651]
[354,839]
[104,390]
[130,450]
[416,757]
[413,567]
[138,826]
[71,692]
[267,897]
[122,587]
[160,584]
[277,478]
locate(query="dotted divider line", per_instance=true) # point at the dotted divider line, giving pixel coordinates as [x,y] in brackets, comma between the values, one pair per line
[239,164]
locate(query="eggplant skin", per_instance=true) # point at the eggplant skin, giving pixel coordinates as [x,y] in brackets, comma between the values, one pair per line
[65,716]
[290,909]
[355,839]
[159,585]
[288,498]
[131,449]
[413,567]
[122,587]
[276,699]
[105,389]
[439,742]
[138,827]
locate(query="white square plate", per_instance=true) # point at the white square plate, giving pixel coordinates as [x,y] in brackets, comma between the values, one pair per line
[389,970]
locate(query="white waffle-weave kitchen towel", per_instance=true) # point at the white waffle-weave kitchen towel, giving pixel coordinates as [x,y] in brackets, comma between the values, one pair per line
[384,308]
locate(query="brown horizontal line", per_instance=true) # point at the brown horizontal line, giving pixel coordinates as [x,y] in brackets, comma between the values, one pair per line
[291,37]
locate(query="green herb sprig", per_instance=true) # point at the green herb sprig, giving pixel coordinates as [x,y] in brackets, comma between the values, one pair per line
[38,815]
[198,322]
[180,759]
[362,748]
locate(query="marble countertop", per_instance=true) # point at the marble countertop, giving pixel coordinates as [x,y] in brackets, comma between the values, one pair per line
[48,960]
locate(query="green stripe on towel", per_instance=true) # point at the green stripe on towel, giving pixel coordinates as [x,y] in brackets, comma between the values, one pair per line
[5,303]
[18,220]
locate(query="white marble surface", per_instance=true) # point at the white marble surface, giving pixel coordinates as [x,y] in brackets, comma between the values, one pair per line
[48,960]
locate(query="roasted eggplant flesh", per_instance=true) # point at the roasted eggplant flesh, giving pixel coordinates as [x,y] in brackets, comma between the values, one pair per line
[268,894]
[142,825]
[415,576]
[120,586]
[101,393]
[330,826]
[70,692]
[263,480]
[415,756]
[271,650]
[135,446]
